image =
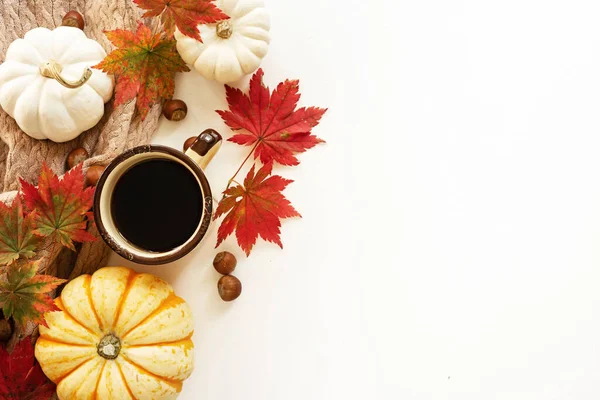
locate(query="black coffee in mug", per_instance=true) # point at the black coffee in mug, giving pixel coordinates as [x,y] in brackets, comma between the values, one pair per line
[157,205]
[153,204]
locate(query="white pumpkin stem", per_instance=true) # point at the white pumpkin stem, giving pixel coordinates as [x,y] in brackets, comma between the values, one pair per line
[224,29]
[52,69]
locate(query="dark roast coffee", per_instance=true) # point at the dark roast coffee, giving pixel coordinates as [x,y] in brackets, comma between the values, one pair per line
[157,205]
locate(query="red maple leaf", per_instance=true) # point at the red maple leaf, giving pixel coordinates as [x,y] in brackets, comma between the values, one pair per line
[145,66]
[24,295]
[21,377]
[17,238]
[255,209]
[271,121]
[185,14]
[61,205]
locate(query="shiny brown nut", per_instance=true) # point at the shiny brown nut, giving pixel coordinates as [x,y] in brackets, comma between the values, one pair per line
[92,176]
[188,142]
[77,156]
[229,287]
[74,19]
[224,263]
[175,110]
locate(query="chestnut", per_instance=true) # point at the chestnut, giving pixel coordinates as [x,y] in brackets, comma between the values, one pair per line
[229,287]
[224,263]
[74,19]
[92,175]
[77,156]
[175,110]
[188,143]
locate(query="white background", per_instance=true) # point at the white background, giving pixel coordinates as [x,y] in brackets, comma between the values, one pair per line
[450,242]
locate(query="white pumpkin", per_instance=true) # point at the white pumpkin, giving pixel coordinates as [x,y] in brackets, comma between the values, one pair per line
[232,48]
[47,86]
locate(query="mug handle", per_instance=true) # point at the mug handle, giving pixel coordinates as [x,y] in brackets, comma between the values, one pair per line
[205,147]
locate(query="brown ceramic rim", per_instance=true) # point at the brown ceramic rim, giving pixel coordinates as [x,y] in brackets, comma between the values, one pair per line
[206,211]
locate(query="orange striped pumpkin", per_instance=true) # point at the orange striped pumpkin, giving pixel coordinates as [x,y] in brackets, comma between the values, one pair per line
[119,335]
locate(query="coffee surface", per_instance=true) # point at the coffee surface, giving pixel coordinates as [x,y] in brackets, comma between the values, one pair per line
[157,205]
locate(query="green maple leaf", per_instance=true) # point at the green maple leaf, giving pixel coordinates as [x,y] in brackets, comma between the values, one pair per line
[24,295]
[17,237]
[61,205]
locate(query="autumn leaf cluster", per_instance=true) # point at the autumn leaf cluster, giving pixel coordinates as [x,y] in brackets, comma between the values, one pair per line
[276,130]
[54,212]
[145,63]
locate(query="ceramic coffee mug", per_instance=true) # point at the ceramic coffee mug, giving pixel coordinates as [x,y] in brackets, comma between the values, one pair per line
[195,159]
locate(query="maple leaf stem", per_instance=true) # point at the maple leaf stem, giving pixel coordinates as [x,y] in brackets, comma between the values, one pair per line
[232,180]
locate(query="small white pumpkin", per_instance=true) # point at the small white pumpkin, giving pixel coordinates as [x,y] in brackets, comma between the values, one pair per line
[232,48]
[47,86]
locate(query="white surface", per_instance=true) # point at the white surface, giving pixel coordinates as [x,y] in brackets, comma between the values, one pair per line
[450,242]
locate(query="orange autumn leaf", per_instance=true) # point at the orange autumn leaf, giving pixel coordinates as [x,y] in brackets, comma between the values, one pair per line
[61,205]
[25,295]
[145,67]
[186,15]
[17,232]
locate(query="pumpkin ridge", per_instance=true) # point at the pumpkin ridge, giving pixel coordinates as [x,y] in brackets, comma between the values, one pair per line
[237,12]
[23,67]
[153,313]
[95,394]
[177,385]
[16,82]
[125,382]
[42,90]
[93,88]
[174,342]
[83,361]
[68,112]
[237,49]
[62,307]
[88,290]
[59,380]
[128,286]
[65,343]
[66,57]
[95,387]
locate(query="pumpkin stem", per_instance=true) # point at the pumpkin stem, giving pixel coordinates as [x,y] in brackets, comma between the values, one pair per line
[224,29]
[109,347]
[52,70]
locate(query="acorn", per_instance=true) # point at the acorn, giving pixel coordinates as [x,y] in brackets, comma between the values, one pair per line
[224,263]
[5,330]
[92,176]
[175,110]
[229,287]
[77,156]
[188,143]
[74,19]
